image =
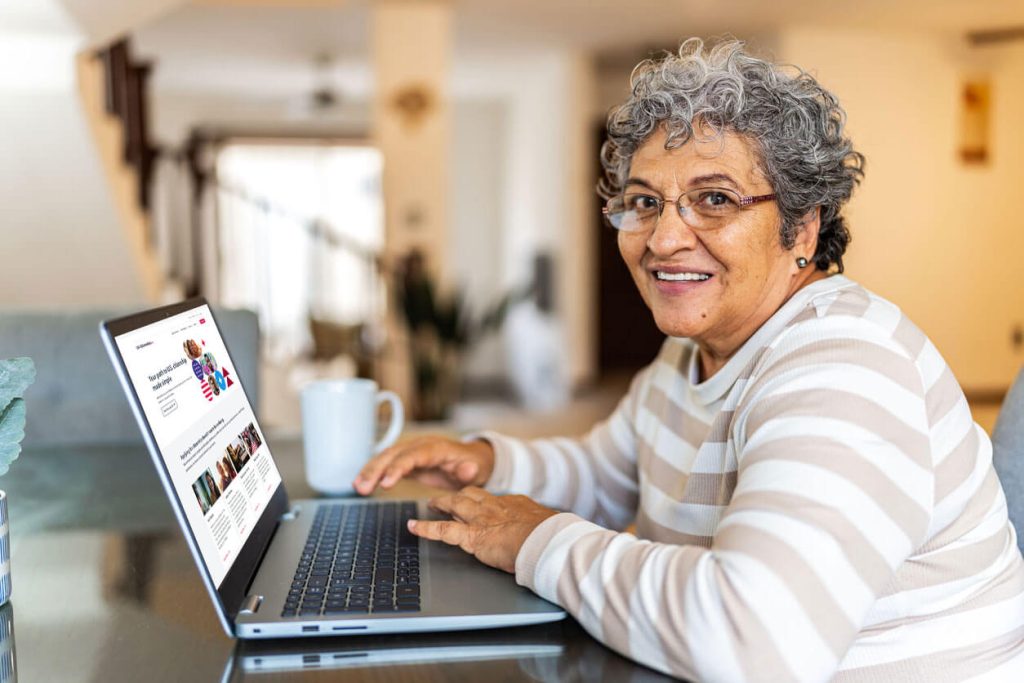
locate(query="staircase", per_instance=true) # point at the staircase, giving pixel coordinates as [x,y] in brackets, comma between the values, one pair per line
[112,91]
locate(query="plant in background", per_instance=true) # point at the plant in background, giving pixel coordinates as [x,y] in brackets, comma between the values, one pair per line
[440,329]
[16,376]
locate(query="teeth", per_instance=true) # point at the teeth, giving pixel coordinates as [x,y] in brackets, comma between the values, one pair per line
[662,275]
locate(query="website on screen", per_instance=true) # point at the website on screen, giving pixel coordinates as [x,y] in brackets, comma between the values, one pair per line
[203,424]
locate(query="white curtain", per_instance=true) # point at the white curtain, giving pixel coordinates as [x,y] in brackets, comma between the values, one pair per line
[272,199]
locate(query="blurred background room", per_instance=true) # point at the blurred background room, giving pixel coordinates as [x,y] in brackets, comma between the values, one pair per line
[405,189]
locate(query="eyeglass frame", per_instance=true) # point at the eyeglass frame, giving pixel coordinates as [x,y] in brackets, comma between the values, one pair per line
[743,201]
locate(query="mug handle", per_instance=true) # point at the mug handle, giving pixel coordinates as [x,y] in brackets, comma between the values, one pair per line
[397,419]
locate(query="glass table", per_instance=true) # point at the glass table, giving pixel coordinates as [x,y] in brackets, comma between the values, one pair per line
[104,589]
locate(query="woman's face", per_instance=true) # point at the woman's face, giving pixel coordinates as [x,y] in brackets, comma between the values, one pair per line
[751,275]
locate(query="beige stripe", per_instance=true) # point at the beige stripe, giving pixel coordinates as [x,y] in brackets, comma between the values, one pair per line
[615,615]
[1009,584]
[817,403]
[971,516]
[909,337]
[609,488]
[950,565]
[840,459]
[948,665]
[860,551]
[579,561]
[669,622]
[759,664]
[845,351]
[674,419]
[535,545]
[720,427]
[957,467]
[649,529]
[803,583]
[710,488]
[943,397]
[852,302]
[704,488]
[603,441]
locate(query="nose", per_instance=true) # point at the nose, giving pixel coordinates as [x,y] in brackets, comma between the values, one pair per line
[671,233]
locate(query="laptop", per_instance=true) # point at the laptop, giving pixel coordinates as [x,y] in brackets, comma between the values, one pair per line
[276,567]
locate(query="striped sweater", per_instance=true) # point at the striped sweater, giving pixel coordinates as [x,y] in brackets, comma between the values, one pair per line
[822,508]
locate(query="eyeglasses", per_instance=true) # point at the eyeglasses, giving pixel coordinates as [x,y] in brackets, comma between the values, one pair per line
[705,208]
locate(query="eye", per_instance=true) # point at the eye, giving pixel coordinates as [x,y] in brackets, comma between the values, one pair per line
[641,203]
[714,201]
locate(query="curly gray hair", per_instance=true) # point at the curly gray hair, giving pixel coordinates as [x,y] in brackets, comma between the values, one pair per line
[795,124]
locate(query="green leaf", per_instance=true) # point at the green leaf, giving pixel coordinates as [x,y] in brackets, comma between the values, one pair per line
[16,375]
[12,431]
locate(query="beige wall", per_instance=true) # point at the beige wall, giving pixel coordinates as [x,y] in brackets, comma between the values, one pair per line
[60,237]
[940,239]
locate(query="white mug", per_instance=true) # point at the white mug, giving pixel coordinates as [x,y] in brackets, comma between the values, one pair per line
[339,421]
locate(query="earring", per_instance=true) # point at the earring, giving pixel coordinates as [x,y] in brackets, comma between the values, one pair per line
[801,262]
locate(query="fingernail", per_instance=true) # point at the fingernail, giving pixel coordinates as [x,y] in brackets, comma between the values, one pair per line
[412,524]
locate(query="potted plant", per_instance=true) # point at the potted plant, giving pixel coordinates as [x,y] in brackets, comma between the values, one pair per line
[440,329]
[16,375]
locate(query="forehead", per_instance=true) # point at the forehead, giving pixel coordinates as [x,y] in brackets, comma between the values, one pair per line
[704,154]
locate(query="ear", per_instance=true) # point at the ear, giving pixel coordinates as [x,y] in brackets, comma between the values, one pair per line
[807,235]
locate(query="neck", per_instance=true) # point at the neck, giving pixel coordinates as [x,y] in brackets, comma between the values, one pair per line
[713,357]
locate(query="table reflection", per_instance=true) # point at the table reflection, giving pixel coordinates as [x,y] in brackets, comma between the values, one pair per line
[547,652]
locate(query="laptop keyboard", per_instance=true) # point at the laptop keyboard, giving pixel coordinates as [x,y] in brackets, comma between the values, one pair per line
[358,559]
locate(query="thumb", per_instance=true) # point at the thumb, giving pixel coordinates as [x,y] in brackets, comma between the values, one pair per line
[467,471]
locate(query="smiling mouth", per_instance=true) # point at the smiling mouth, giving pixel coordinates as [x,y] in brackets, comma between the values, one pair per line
[681,277]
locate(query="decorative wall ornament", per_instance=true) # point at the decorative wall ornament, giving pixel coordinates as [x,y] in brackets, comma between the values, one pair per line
[413,103]
[975,121]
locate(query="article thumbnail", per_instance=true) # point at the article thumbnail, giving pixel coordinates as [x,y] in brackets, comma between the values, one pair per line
[238,452]
[225,472]
[207,493]
[254,436]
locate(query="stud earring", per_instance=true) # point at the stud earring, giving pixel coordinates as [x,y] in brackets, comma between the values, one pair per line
[801,262]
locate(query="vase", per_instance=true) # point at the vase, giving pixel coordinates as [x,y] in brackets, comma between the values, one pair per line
[5,551]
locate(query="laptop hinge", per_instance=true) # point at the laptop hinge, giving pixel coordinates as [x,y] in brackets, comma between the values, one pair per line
[251,604]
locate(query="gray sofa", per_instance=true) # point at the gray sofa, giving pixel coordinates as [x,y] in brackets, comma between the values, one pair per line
[76,397]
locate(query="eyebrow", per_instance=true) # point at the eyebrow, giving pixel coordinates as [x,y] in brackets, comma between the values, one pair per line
[703,180]
[698,181]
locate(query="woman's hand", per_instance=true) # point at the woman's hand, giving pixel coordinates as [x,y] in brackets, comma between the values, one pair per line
[433,460]
[491,528]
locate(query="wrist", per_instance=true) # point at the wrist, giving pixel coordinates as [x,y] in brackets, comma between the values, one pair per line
[483,453]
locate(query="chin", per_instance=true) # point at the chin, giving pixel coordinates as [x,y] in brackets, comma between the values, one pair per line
[673,327]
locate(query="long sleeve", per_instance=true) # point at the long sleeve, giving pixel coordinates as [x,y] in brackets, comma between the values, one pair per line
[595,476]
[834,491]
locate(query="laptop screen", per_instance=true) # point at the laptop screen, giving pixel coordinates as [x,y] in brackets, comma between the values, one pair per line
[217,458]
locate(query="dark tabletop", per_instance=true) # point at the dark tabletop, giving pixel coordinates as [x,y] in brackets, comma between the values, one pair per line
[105,589]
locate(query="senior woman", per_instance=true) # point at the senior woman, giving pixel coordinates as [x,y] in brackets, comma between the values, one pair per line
[812,498]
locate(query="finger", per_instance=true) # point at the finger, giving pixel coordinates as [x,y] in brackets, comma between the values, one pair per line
[452,533]
[406,462]
[475,493]
[368,477]
[458,506]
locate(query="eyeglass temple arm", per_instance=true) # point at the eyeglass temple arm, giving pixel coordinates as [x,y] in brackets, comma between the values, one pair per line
[747,201]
